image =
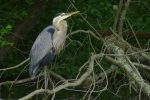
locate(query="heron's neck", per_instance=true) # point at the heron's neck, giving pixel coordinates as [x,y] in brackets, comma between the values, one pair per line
[60,35]
[62,26]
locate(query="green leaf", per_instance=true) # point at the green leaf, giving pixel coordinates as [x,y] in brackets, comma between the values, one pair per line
[8,26]
[5,43]
[23,14]
[29,2]
[6,30]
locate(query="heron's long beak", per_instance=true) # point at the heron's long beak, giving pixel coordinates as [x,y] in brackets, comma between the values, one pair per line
[72,13]
[69,14]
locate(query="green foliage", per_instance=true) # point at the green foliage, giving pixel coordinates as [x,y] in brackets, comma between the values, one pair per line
[3,32]
[5,43]
[29,2]
[22,14]
[6,30]
[10,15]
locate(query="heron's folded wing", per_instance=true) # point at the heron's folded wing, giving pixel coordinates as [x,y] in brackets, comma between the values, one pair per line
[42,45]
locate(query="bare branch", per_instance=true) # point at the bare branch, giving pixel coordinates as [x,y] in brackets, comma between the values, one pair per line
[121,61]
[117,15]
[142,66]
[16,66]
[83,31]
[18,81]
[101,76]
[55,75]
[66,84]
[122,17]
[146,56]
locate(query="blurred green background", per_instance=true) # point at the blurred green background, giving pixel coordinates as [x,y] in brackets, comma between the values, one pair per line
[100,14]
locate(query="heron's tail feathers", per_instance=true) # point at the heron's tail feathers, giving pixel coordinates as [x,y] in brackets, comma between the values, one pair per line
[33,70]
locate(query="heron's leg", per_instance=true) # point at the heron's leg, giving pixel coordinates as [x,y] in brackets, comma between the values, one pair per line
[46,77]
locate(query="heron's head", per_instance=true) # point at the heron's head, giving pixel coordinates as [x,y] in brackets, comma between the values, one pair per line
[62,16]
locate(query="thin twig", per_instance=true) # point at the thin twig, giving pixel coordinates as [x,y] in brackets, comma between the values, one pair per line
[117,15]
[84,31]
[122,17]
[57,75]
[16,66]
[18,81]
[142,66]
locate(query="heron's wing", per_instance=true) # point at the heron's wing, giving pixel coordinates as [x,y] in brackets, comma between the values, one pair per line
[42,45]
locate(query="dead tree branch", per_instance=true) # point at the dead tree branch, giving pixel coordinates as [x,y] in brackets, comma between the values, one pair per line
[55,75]
[84,31]
[66,84]
[16,66]
[117,15]
[123,63]
[142,66]
[122,17]
[18,81]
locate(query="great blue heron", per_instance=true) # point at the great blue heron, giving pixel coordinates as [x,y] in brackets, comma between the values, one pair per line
[49,42]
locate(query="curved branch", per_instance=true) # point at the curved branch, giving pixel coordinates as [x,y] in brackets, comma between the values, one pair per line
[66,84]
[84,31]
[31,79]
[16,66]
[128,66]
[18,81]
[142,66]
[122,17]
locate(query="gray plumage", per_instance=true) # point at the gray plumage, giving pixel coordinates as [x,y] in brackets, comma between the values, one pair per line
[42,50]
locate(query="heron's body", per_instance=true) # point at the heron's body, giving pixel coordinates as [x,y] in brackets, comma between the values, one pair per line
[49,42]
